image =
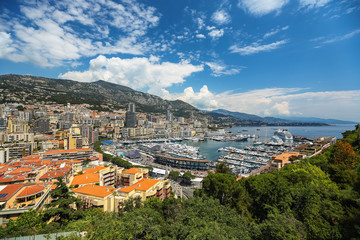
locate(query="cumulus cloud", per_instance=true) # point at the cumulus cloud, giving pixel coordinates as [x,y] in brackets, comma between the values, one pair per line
[204,99]
[200,35]
[277,102]
[256,48]
[220,69]
[137,73]
[50,33]
[221,17]
[262,7]
[216,33]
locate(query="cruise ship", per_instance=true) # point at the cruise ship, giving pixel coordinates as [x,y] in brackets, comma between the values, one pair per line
[283,134]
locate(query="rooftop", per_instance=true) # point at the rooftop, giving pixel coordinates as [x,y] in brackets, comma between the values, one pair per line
[94,190]
[9,191]
[132,171]
[142,185]
[94,169]
[30,191]
[68,150]
[85,179]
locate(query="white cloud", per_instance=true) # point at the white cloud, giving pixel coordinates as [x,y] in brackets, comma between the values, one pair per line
[200,35]
[256,48]
[50,33]
[215,33]
[220,69]
[137,73]
[277,102]
[7,48]
[221,17]
[341,38]
[313,3]
[262,7]
[204,99]
[275,31]
[320,41]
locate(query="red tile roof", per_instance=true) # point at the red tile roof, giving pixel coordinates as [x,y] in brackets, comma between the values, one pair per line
[9,190]
[30,191]
[21,170]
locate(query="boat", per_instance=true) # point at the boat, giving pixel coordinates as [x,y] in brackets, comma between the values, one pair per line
[284,134]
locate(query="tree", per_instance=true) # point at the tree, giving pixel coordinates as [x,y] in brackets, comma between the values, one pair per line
[187,176]
[343,155]
[61,208]
[174,175]
[28,223]
[222,167]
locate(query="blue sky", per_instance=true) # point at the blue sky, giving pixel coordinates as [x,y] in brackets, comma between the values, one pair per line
[265,57]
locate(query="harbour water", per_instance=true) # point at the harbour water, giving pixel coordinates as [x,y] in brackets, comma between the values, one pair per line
[209,148]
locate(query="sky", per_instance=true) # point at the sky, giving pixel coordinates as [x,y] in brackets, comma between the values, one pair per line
[265,57]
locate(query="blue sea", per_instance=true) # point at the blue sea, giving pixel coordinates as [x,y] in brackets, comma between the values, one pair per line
[209,148]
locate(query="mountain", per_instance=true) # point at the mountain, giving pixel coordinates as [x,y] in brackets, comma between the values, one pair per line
[319,120]
[100,95]
[252,117]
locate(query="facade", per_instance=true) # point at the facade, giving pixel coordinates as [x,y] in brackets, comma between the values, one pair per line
[4,155]
[133,175]
[202,165]
[130,119]
[71,154]
[41,125]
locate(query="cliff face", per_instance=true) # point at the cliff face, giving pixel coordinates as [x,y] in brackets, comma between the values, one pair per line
[26,88]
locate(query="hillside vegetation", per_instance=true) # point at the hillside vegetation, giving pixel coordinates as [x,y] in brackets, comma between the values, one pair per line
[318,198]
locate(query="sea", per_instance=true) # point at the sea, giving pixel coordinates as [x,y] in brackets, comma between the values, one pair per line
[209,148]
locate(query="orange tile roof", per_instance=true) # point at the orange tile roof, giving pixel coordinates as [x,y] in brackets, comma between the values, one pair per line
[94,190]
[85,179]
[9,190]
[30,191]
[55,174]
[68,151]
[142,185]
[21,170]
[132,171]
[94,169]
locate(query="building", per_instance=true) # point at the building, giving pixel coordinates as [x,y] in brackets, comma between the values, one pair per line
[41,125]
[130,119]
[84,179]
[279,161]
[192,164]
[19,198]
[133,175]
[17,125]
[4,155]
[72,154]
[169,115]
[130,116]
[95,196]
[132,107]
